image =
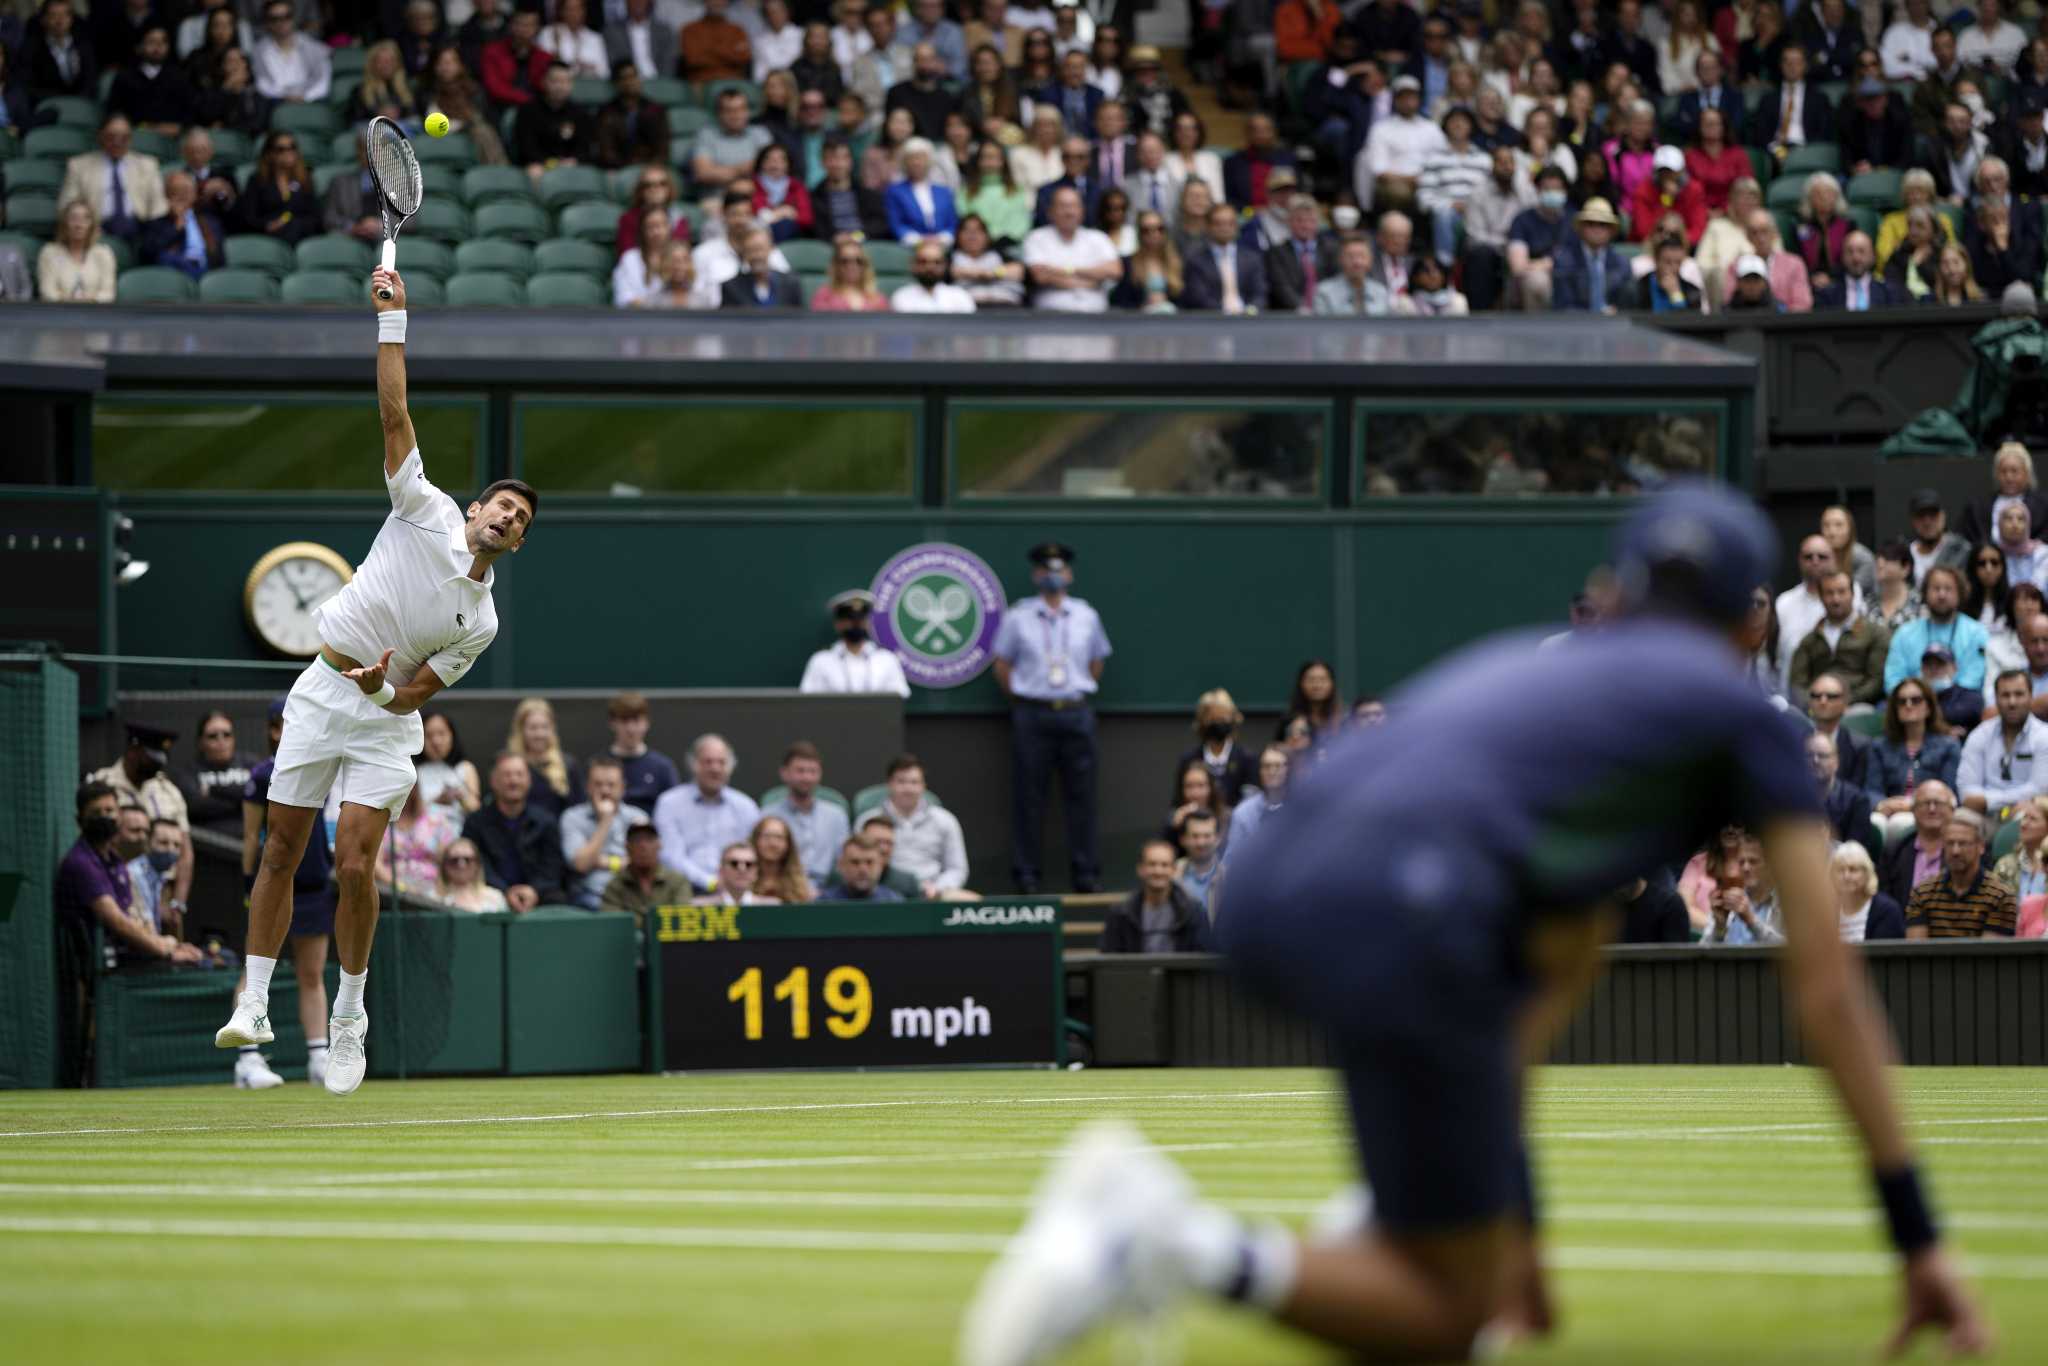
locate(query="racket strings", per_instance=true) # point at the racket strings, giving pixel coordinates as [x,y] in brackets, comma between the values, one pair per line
[396,172]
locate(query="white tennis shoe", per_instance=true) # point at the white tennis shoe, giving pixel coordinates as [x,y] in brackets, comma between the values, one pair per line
[252,1073]
[346,1060]
[1096,1246]
[250,1024]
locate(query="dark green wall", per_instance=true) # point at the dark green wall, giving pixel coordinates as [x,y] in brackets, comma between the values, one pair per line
[652,596]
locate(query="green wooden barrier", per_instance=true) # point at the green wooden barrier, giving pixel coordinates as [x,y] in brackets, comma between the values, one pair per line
[572,996]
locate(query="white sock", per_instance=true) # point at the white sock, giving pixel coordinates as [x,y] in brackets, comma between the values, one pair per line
[349,1000]
[246,1049]
[259,977]
[316,1045]
[1222,1255]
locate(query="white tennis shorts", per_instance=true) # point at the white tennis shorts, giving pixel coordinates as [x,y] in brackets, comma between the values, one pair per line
[336,740]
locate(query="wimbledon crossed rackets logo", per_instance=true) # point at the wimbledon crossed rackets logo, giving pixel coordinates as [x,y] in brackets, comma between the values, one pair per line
[938,608]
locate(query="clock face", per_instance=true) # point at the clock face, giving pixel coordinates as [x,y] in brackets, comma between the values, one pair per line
[282,598]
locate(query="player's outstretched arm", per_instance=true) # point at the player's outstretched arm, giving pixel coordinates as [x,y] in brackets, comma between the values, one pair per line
[1846,1031]
[398,434]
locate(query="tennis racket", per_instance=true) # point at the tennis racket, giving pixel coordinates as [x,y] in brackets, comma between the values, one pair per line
[395,171]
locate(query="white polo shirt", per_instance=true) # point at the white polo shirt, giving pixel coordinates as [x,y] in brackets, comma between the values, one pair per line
[414,594]
[1045,247]
[838,669]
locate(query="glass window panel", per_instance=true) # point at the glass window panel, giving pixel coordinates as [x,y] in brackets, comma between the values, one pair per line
[272,446]
[773,450]
[1138,451]
[1523,453]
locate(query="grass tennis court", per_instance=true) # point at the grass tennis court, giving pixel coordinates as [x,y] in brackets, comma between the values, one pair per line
[1697,1214]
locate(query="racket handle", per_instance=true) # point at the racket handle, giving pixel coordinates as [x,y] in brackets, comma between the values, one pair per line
[390,262]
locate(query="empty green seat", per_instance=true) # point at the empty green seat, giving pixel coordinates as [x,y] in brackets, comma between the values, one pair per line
[124,255]
[808,254]
[231,148]
[1814,156]
[442,221]
[511,219]
[10,145]
[151,143]
[341,149]
[889,258]
[33,212]
[155,285]
[442,181]
[566,289]
[571,185]
[323,176]
[665,90]
[685,121]
[306,121]
[423,258]
[592,92]
[347,61]
[325,287]
[230,285]
[486,289]
[1878,189]
[488,184]
[332,251]
[340,92]
[1783,193]
[29,247]
[453,150]
[254,251]
[56,142]
[424,290]
[45,177]
[73,111]
[567,254]
[591,221]
[499,254]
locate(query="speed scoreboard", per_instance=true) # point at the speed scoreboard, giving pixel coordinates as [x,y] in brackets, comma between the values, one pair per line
[860,984]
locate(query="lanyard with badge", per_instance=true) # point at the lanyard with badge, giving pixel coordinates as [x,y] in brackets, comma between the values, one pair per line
[1055,664]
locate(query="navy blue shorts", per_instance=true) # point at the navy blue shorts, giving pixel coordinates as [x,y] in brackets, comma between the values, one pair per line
[1416,976]
[312,913]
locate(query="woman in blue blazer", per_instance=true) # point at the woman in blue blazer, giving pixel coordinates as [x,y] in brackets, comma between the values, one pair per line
[1866,913]
[909,222]
[1916,747]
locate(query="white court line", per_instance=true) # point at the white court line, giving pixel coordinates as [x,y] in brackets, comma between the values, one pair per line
[1731,1261]
[639,1114]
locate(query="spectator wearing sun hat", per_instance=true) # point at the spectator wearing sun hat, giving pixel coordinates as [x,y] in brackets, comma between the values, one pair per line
[1588,275]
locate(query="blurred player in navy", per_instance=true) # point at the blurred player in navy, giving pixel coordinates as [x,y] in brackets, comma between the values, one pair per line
[1434,894]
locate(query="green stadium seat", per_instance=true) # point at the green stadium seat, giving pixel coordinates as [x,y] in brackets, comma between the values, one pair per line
[1760,164]
[1296,81]
[685,122]
[571,185]
[508,218]
[1954,214]
[1866,219]
[499,254]
[1865,723]
[869,798]
[42,177]
[590,221]
[307,121]
[1878,189]
[341,149]
[624,181]
[332,251]
[347,61]
[106,84]
[665,90]
[340,92]
[2006,840]
[1836,91]
[229,285]
[10,145]
[560,254]
[1785,193]
[243,174]
[454,150]
[254,251]
[1997,92]
[443,182]
[889,284]
[231,148]
[593,92]
[151,143]
[423,258]
[830,795]
[489,184]
[890,258]
[1788,228]
[33,213]
[29,247]
[324,176]
[566,289]
[812,283]
[1627,251]
[1667,110]
[124,255]
[442,221]
[713,91]
[486,289]
[807,254]
[1814,156]
[56,142]
[424,290]
[73,111]
[325,287]
[155,285]
[691,215]
[506,119]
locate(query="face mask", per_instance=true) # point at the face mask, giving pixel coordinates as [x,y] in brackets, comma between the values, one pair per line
[853,635]
[1975,103]
[163,860]
[100,829]
[1217,730]
[1551,199]
[146,770]
[1345,217]
[1050,583]
[1438,298]
[1938,684]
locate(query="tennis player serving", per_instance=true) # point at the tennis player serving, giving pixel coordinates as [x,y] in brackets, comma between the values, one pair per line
[419,611]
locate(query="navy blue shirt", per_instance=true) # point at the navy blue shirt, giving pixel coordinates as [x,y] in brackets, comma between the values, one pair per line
[316,863]
[1567,772]
[1537,233]
[647,777]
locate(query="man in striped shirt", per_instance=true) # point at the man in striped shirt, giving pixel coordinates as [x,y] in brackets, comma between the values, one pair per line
[1965,901]
[1450,176]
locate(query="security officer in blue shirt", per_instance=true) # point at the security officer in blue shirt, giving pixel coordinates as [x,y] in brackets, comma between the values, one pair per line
[1048,657]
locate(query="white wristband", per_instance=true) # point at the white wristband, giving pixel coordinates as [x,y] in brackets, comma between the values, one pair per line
[391,327]
[383,695]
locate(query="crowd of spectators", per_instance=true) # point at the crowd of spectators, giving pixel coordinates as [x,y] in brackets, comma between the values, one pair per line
[950,157]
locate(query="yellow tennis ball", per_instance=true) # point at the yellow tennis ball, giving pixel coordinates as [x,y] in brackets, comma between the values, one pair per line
[437,125]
